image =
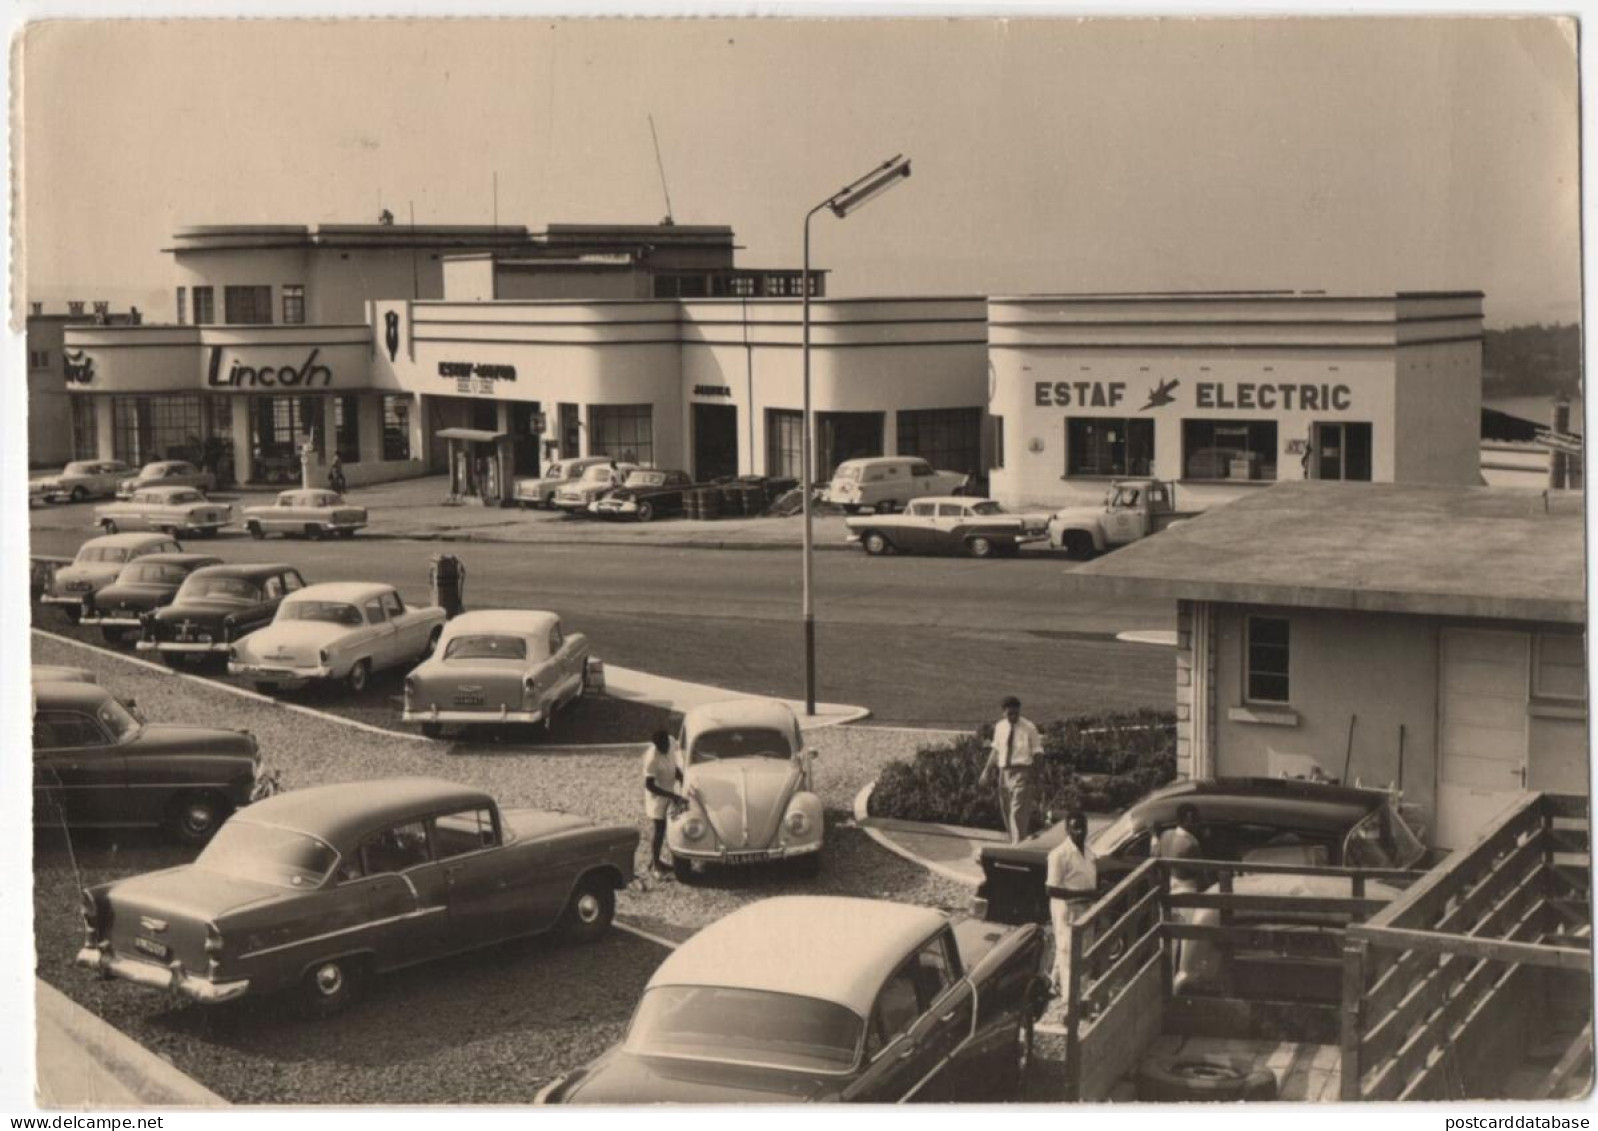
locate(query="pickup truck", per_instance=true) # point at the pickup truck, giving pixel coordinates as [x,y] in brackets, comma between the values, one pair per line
[1133,509]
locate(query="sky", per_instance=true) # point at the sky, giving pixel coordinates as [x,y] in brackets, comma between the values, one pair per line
[1048,155]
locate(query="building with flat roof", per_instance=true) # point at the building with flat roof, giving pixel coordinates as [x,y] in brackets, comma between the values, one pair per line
[1432,638]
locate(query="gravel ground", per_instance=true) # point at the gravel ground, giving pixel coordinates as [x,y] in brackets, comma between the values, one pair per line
[497,1024]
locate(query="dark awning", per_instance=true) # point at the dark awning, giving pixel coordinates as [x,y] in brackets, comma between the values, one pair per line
[476,435]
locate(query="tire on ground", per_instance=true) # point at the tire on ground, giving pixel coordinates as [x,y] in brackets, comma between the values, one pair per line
[1178,1079]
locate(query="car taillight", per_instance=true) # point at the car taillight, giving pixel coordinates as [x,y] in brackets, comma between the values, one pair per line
[213,948]
[529,686]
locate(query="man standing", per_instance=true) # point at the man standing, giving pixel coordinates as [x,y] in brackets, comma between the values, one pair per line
[661,775]
[1181,842]
[1015,747]
[1072,881]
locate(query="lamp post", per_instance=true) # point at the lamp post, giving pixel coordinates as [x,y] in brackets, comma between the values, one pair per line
[840,204]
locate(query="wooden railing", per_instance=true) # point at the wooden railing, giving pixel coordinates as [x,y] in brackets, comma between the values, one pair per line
[1440,988]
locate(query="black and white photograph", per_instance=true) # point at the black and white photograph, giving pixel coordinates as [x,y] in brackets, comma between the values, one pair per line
[1016,559]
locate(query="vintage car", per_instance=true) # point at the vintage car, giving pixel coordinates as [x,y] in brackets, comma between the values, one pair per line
[179,511]
[84,479]
[314,513]
[748,777]
[824,998]
[647,493]
[97,564]
[951,525]
[318,889]
[540,492]
[96,763]
[498,666]
[142,587]
[338,632]
[1239,817]
[59,673]
[216,606]
[888,483]
[166,473]
[574,496]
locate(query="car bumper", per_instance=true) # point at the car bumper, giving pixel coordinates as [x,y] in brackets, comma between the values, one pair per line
[280,677]
[744,855]
[184,647]
[614,510]
[573,506]
[52,599]
[156,976]
[108,622]
[472,715]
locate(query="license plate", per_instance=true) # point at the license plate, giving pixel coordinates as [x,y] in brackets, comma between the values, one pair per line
[151,947]
[468,700]
[749,858]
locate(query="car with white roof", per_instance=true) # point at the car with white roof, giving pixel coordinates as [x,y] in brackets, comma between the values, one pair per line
[597,480]
[311,513]
[97,564]
[950,525]
[167,473]
[888,483]
[84,479]
[539,491]
[179,511]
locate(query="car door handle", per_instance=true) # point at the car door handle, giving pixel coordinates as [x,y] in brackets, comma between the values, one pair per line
[908,1051]
[949,1016]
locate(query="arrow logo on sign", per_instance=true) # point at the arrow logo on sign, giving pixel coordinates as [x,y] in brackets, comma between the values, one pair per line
[1161,395]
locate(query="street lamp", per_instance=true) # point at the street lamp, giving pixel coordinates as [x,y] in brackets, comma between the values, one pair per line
[840,204]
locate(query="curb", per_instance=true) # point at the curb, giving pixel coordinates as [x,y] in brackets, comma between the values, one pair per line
[645,543]
[150,1079]
[862,801]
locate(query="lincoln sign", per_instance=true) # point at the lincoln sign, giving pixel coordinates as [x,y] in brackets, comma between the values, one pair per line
[308,375]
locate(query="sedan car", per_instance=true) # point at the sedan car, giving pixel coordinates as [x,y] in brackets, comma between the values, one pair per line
[1240,817]
[822,998]
[85,479]
[143,586]
[179,511]
[748,777]
[214,607]
[98,563]
[313,513]
[498,666]
[979,527]
[166,473]
[338,632]
[317,889]
[646,494]
[97,764]
[540,491]
[574,497]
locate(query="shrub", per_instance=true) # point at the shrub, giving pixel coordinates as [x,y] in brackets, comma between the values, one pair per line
[1095,762]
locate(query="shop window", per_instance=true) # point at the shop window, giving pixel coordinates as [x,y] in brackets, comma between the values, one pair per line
[293,304]
[1229,449]
[157,427]
[950,439]
[1559,667]
[204,306]
[347,429]
[622,431]
[1266,677]
[183,305]
[1104,445]
[846,435]
[85,429]
[785,432]
[741,286]
[570,431]
[1341,451]
[38,359]
[247,306]
[996,453]
[396,427]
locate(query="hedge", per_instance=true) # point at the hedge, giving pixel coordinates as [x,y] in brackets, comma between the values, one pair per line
[1097,763]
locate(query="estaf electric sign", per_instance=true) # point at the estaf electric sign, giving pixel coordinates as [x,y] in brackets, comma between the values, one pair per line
[1284,396]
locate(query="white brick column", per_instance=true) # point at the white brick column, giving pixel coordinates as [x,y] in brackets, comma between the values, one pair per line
[1195,689]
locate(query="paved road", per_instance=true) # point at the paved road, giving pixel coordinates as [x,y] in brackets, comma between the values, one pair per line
[919,640]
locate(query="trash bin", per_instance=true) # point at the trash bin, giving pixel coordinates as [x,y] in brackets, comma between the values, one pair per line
[448,580]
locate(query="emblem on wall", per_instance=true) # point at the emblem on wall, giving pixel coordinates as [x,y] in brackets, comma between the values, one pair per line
[77,367]
[1161,395]
[391,332]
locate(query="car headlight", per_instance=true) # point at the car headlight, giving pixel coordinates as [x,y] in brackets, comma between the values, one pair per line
[693,829]
[798,822]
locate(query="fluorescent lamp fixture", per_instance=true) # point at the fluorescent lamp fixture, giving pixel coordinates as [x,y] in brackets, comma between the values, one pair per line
[869,187]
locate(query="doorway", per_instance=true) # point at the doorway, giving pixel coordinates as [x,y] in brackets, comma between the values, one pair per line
[526,429]
[715,441]
[846,435]
[1482,743]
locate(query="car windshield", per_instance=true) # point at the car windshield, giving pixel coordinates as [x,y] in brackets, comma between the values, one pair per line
[182,497]
[79,469]
[740,742]
[752,1027]
[486,648]
[1126,497]
[560,471]
[986,507]
[1108,838]
[1382,840]
[237,588]
[267,855]
[647,479]
[117,720]
[847,475]
[153,574]
[102,554]
[599,473]
[333,612]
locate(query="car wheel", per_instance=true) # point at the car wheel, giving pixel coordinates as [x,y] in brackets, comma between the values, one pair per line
[263,688]
[313,532]
[646,511]
[79,494]
[590,910]
[195,817]
[683,869]
[887,506]
[876,543]
[331,986]
[979,547]
[346,533]
[255,531]
[432,730]
[1078,545]
[1176,1079]
[108,526]
[359,674]
[177,661]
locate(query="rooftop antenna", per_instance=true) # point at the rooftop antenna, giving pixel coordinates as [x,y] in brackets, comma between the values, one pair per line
[661,165]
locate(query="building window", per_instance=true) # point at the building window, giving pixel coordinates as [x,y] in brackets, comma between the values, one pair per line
[75,309]
[1559,668]
[183,305]
[347,429]
[1266,676]
[293,304]
[843,436]
[247,306]
[1101,445]
[1229,449]
[38,359]
[950,439]
[570,432]
[85,429]
[741,286]
[622,431]
[396,427]
[35,309]
[996,455]
[204,306]
[157,427]
[785,432]
[1341,451]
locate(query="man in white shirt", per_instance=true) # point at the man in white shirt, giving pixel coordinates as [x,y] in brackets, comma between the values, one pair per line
[661,775]
[1015,748]
[1072,883]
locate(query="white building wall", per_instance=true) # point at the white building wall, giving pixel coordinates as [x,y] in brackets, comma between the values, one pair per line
[1439,395]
